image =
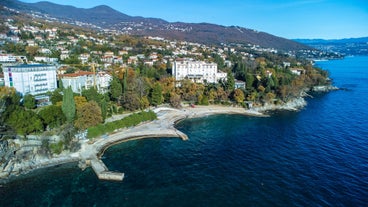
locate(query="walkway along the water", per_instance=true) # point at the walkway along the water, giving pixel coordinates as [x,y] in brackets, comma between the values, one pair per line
[162,127]
[91,154]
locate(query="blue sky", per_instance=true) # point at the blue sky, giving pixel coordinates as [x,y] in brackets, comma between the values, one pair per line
[327,19]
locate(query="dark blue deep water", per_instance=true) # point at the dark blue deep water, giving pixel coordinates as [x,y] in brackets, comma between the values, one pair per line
[315,157]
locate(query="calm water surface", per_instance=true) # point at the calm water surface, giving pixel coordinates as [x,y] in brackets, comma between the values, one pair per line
[315,157]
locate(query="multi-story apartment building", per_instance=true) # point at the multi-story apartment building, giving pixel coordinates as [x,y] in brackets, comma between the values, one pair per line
[84,80]
[197,71]
[31,79]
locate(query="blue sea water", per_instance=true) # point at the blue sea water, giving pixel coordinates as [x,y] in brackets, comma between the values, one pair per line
[315,157]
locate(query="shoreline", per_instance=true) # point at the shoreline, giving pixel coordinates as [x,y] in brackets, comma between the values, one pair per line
[164,126]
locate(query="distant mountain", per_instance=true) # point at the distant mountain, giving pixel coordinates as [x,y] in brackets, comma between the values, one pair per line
[348,46]
[108,18]
[323,41]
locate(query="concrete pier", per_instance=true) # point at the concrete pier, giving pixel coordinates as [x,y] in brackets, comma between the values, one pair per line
[91,154]
[103,173]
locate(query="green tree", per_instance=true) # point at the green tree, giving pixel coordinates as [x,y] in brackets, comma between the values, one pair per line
[91,94]
[249,80]
[203,100]
[29,101]
[25,122]
[52,116]
[230,83]
[9,102]
[116,88]
[156,96]
[56,96]
[68,106]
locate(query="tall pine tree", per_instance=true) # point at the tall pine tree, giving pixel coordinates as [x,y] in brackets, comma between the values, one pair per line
[68,105]
[156,96]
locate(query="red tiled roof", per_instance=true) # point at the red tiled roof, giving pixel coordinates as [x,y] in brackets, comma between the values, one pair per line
[77,74]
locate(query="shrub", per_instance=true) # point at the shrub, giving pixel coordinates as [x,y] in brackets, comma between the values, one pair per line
[57,148]
[131,120]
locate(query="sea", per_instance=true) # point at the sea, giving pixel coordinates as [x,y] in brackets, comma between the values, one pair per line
[317,156]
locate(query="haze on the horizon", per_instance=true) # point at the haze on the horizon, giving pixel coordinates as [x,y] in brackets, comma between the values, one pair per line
[309,19]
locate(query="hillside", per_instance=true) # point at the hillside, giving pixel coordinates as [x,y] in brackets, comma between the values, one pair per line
[349,46]
[107,18]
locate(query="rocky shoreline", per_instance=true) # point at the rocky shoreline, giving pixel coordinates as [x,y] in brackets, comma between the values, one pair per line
[167,117]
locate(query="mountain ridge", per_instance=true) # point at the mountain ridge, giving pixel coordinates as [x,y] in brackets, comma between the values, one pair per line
[346,46]
[108,18]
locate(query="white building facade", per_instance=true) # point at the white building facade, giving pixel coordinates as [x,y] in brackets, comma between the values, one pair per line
[7,58]
[197,71]
[31,79]
[84,80]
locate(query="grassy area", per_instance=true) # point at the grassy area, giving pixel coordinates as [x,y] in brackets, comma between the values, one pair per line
[131,120]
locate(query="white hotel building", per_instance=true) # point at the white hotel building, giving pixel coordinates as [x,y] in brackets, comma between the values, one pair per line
[197,71]
[31,79]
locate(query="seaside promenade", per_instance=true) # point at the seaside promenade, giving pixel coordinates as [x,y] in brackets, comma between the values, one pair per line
[91,153]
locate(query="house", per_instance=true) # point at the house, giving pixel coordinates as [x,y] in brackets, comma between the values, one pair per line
[123,52]
[239,84]
[84,58]
[286,64]
[31,43]
[132,60]
[64,54]
[7,58]
[297,71]
[45,59]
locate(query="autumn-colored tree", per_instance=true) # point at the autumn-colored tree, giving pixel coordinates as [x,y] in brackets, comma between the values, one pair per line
[238,96]
[222,95]
[252,96]
[32,50]
[168,86]
[79,101]
[88,115]
[270,97]
[144,102]
[261,88]
[212,95]
[131,101]
[175,100]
